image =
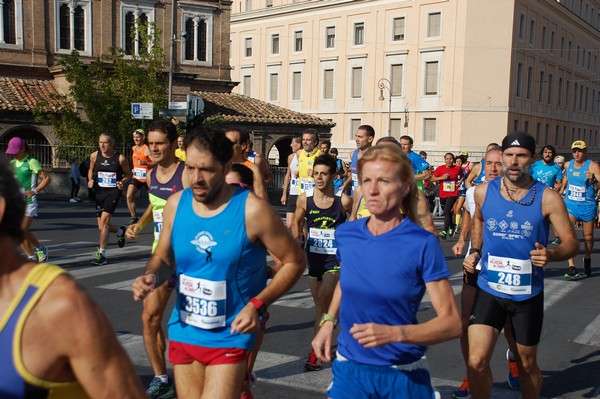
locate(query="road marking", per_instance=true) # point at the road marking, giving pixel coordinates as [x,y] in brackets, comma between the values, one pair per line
[112,255]
[125,285]
[590,334]
[298,299]
[554,290]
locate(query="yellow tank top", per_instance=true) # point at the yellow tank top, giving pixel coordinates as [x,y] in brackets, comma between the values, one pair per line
[305,170]
[361,209]
[18,380]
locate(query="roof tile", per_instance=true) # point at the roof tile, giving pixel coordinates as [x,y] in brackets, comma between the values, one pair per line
[23,94]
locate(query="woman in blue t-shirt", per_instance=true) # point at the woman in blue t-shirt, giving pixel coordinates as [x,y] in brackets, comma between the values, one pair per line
[379,292]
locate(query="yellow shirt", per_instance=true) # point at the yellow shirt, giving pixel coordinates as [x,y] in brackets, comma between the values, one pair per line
[179,153]
[305,170]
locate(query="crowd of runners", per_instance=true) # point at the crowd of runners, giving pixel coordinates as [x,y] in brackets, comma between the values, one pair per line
[214,227]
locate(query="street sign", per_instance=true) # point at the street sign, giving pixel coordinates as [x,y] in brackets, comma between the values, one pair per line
[142,110]
[178,105]
[172,112]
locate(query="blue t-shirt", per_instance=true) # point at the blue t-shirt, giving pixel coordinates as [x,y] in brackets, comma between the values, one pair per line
[510,232]
[380,285]
[419,165]
[546,174]
[218,271]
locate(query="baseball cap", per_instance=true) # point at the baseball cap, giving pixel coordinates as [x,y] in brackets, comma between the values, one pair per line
[464,152]
[579,144]
[15,145]
[519,139]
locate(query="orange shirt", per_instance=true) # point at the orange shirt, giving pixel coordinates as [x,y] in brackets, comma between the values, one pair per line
[139,170]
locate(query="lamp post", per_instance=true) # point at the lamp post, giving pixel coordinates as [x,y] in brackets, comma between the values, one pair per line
[382,85]
[172,55]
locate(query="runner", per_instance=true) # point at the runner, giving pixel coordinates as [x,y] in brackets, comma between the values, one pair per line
[306,158]
[511,221]
[238,138]
[462,190]
[419,165]
[165,179]
[257,159]
[449,177]
[291,183]
[32,179]
[55,341]
[546,171]
[323,212]
[381,345]
[325,147]
[365,134]
[142,163]
[492,168]
[477,175]
[180,151]
[108,173]
[341,174]
[221,271]
[579,186]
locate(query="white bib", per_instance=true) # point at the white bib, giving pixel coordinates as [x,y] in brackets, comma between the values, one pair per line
[576,193]
[107,179]
[509,276]
[202,302]
[139,173]
[321,241]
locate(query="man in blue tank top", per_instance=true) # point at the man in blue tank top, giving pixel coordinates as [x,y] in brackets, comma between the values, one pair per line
[365,134]
[511,221]
[215,236]
[579,186]
[323,212]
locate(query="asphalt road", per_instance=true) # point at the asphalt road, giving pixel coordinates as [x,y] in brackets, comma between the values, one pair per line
[569,353]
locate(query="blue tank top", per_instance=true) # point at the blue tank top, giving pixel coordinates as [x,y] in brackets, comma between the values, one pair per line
[510,232]
[481,176]
[218,270]
[578,191]
[354,169]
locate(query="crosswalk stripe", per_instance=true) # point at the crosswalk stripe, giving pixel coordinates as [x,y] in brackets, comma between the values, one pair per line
[125,285]
[590,334]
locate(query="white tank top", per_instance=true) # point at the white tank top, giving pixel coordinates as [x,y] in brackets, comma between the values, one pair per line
[294,168]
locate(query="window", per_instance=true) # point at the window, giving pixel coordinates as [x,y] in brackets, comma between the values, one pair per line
[541,87]
[330,37]
[298,41]
[532,32]
[396,127]
[134,19]
[248,5]
[559,98]
[519,78]
[569,51]
[247,85]
[396,72]
[429,129]
[516,125]
[577,56]
[357,82]
[248,47]
[328,84]
[354,124]
[575,98]
[552,41]
[398,29]
[434,21]
[359,33]
[9,22]
[567,90]
[275,43]
[73,27]
[550,83]
[296,86]
[544,33]
[522,27]
[529,77]
[527,126]
[562,47]
[197,24]
[431,78]
[273,87]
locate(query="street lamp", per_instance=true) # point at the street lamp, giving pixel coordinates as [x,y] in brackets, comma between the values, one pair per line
[382,85]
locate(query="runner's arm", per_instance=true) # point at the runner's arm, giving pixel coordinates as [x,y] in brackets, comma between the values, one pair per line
[93,156]
[476,230]
[355,201]
[324,337]
[258,184]
[347,203]
[265,170]
[565,179]
[127,176]
[473,175]
[286,180]
[299,214]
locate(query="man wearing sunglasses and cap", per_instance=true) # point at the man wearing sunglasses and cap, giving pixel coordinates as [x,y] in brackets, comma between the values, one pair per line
[579,187]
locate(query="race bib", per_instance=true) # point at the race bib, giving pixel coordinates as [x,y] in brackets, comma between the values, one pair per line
[448,186]
[307,185]
[508,275]
[576,193]
[294,186]
[202,302]
[107,179]
[321,241]
[139,173]
[158,222]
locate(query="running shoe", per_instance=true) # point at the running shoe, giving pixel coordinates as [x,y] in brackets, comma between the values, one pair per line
[587,266]
[313,364]
[77,199]
[99,259]
[160,390]
[42,254]
[451,232]
[556,241]
[571,273]
[73,200]
[133,220]
[463,391]
[513,372]
[32,258]
[443,234]
[121,236]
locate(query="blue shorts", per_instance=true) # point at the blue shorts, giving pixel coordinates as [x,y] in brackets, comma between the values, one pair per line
[584,213]
[356,381]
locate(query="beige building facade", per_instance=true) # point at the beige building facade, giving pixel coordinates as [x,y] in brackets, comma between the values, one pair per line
[452,74]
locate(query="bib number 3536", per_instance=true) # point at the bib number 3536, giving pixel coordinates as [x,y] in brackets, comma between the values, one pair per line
[202,302]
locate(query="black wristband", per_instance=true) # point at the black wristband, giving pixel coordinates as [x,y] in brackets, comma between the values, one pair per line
[475,250]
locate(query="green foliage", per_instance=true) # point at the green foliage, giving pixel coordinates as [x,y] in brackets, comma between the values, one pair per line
[101,92]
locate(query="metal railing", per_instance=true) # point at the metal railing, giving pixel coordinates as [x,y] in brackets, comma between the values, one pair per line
[278,177]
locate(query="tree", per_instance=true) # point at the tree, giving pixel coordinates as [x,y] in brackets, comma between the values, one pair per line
[101,92]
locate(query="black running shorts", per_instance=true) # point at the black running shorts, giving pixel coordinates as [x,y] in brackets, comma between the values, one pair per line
[107,201]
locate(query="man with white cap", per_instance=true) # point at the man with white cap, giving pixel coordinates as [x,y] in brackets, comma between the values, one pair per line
[32,179]
[580,184]
[512,216]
